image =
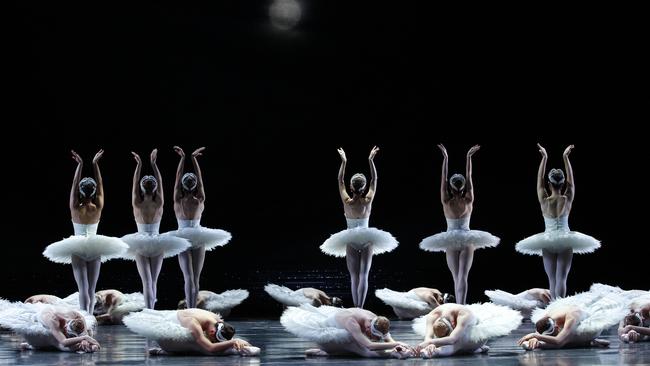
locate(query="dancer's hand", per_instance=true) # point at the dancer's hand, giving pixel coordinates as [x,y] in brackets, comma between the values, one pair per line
[154,156]
[76,157]
[373,152]
[526,337]
[443,150]
[198,152]
[473,150]
[136,157]
[342,154]
[542,151]
[423,344]
[633,336]
[239,344]
[567,151]
[98,156]
[179,151]
[533,343]
[91,340]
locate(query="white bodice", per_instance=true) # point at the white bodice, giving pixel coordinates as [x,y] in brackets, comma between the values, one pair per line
[458,224]
[556,223]
[85,229]
[352,223]
[188,223]
[151,229]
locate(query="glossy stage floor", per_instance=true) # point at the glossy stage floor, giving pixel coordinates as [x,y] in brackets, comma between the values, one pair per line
[121,347]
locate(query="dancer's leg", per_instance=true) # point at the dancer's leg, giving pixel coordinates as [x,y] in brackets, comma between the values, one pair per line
[550,266]
[144,269]
[81,277]
[465,260]
[353,259]
[185,261]
[365,263]
[155,265]
[452,263]
[93,276]
[198,257]
[564,260]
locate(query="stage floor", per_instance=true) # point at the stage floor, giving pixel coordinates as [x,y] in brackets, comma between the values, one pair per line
[121,347]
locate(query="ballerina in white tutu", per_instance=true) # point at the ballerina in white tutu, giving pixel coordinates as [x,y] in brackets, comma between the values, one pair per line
[188,331]
[557,243]
[574,321]
[46,326]
[525,301]
[458,242]
[339,331]
[453,329]
[112,306]
[359,242]
[147,247]
[415,302]
[220,304]
[635,327]
[189,199]
[86,250]
[305,295]
[44,299]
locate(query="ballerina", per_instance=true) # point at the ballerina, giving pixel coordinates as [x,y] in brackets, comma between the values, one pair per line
[305,295]
[359,242]
[453,329]
[220,304]
[188,331]
[86,250]
[46,326]
[189,202]
[343,332]
[525,301]
[557,243]
[415,302]
[459,242]
[635,327]
[147,247]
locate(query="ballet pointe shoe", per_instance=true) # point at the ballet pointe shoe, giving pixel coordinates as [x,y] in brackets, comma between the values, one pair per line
[315,352]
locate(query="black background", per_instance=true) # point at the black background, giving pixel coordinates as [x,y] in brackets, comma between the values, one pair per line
[272,106]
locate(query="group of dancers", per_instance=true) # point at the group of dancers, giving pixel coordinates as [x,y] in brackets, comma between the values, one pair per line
[197,326]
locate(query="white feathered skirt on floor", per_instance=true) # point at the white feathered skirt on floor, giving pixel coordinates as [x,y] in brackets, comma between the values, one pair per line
[557,238]
[286,296]
[458,236]
[224,302]
[85,244]
[490,321]
[26,320]
[359,236]
[406,305]
[523,302]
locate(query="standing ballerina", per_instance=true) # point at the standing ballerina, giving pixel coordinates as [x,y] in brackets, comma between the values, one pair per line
[459,242]
[147,247]
[359,242]
[189,199]
[557,243]
[86,250]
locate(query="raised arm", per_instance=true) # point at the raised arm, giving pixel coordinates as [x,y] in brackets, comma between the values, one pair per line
[355,331]
[444,189]
[469,185]
[569,184]
[373,173]
[74,192]
[541,189]
[156,173]
[199,177]
[99,197]
[178,190]
[344,193]
[135,193]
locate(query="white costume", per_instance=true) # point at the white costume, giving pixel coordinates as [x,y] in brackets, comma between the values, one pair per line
[406,305]
[148,242]
[489,321]
[200,236]
[359,236]
[164,327]
[556,238]
[86,244]
[27,320]
[128,303]
[287,296]
[523,301]
[458,236]
[223,303]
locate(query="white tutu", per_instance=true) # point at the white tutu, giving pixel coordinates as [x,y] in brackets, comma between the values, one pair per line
[406,305]
[200,236]
[154,245]
[128,303]
[459,236]
[359,236]
[557,238]
[224,302]
[520,301]
[315,324]
[287,296]
[86,247]
[158,325]
[492,321]
[26,320]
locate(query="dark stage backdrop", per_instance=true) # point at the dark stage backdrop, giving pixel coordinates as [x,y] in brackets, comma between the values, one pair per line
[272,106]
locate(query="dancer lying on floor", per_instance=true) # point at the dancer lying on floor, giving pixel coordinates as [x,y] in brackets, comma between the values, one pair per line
[305,295]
